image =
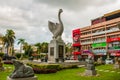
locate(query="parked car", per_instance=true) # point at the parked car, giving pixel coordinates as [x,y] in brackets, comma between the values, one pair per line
[109,61]
[7,57]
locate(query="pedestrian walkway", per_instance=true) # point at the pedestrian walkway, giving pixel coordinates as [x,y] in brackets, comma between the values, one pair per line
[111,71]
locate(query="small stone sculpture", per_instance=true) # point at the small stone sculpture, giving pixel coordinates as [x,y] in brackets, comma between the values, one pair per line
[117,63]
[90,67]
[21,70]
[90,64]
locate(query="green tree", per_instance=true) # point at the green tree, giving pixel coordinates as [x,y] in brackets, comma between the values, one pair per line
[68,48]
[28,49]
[44,47]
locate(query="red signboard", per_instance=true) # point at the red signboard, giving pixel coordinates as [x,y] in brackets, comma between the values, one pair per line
[76,32]
[115,54]
[77,44]
[76,53]
[76,36]
[113,39]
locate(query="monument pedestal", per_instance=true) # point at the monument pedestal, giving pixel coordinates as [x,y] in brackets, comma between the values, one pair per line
[90,67]
[90,72]
[116,66]
[56,51]
[29,78]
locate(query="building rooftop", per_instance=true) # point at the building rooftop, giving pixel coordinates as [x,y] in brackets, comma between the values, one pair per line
[112,13]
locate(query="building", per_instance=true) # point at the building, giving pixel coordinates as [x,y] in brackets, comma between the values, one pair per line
[102,37]
[76,43]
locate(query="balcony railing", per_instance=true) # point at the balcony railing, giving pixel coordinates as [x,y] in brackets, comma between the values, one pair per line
[98,41]
[112,30]
[98,33]
[107,31]
[85,43]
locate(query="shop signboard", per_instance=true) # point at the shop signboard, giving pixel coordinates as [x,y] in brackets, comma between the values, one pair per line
[114,48]
[117,47]
[76,53]
[115,54]
[96,45]
[113,39]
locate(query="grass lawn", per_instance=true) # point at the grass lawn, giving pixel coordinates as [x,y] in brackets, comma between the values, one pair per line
[73,74]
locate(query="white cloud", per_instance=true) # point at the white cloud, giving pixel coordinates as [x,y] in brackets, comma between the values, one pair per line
[29,18]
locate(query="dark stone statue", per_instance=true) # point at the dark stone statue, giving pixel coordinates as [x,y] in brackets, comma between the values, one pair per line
[56,28]
[90,64]
[117,63]
[90,67]
[21,70]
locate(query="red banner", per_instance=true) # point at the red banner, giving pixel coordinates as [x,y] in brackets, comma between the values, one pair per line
[76,53]
[77,44]
[113,51]
[113,39]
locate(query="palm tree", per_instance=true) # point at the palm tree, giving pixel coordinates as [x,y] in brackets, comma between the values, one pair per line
[21,42]
[9,40]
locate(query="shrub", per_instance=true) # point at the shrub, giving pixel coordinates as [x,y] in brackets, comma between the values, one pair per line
[70,66]
[18,55]
[44,71]
[1,54]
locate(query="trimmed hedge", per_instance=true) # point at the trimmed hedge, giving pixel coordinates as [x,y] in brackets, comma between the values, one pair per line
[45,68]
[50,68]
[44,71]
[70,66]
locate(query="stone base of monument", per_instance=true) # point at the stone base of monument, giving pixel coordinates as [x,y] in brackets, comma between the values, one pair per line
[90,72]
[56,51]
[117,66]
[29,78]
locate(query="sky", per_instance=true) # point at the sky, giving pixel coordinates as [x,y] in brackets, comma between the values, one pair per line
[29,18]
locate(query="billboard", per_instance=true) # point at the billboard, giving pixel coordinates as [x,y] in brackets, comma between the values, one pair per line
[76,36]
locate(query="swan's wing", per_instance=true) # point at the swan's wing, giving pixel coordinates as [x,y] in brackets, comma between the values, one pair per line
[52,26]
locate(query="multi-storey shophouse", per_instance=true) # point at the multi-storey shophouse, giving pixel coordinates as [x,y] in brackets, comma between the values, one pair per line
[102,37]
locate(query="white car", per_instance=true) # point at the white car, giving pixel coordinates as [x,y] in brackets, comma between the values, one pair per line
[109,61]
